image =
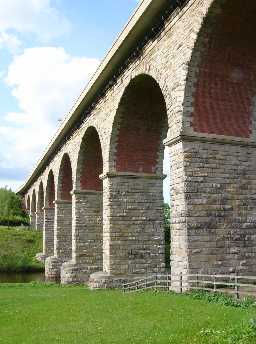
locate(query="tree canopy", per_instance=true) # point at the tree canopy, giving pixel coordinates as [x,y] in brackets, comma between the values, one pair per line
[11,208]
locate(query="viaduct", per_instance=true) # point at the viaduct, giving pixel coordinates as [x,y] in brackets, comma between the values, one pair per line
[182,74]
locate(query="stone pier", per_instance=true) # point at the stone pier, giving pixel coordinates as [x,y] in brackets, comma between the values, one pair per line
[62,240]
[39,220]
[133,233]
[87,233]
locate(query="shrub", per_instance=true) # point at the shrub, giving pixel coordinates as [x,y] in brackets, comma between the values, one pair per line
[14,221]
[12,212]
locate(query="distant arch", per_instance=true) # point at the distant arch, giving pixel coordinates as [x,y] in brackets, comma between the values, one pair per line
[65,179]
[40,201]
[33,202]
[50,190]
[90,162]
[28,204]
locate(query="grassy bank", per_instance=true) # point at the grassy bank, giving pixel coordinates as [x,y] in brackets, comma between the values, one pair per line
[55,314]
[18,248]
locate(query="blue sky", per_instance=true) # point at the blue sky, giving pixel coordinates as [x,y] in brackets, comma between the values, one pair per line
[48,49]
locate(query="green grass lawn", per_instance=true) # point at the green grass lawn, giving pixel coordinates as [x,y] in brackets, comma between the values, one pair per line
[72,315]
[18,248]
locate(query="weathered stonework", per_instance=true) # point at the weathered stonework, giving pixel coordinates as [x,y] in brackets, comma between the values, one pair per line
[62,240]
[52,269]
[48,233]
[39,223]
[190,82]
[133,234]
[32,218]
[86,237]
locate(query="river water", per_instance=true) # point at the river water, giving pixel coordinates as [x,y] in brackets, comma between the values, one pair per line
[21,277]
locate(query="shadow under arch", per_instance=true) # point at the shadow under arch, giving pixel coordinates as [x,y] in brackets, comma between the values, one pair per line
[221,79]
[39,207]
[65,179]
[49,216]
[139,127]
[28,204]
[90,162]
[33,201]
[33,210]
[63,212]
[50,190]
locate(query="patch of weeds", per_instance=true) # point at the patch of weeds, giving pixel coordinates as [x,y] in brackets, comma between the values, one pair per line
[223,299]
[245,334]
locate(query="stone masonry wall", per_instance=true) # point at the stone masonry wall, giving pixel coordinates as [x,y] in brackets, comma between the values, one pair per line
[39,220]
[32,217]
[63,230]
[220,189]
[133,232]
[179,244]
[48,233]
[87,230]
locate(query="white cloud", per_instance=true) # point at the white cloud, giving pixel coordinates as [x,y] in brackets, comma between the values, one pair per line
[10,183]
[9,41]
[45,81]
[38,17]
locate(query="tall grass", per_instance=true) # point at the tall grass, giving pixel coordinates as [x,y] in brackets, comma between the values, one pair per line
[18,248]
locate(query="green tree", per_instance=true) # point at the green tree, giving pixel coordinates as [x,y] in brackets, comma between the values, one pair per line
[11,209]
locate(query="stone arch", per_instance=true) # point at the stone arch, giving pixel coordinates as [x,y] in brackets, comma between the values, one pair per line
[139,127]
[33,202]
[49,215]
[219,108]
[50,190]
[65,179]
[33,210]
[134,186]
[90,162]
[62,220]
[221,79]
[40,198]
[28,204]
[39,207]
[87,228]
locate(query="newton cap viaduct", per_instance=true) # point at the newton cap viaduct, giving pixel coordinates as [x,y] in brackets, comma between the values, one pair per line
[182,74]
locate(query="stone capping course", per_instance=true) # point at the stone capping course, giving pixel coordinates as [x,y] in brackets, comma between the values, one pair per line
[210,139]
[47,208]
[132,175]
[84,192]
[59,201]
